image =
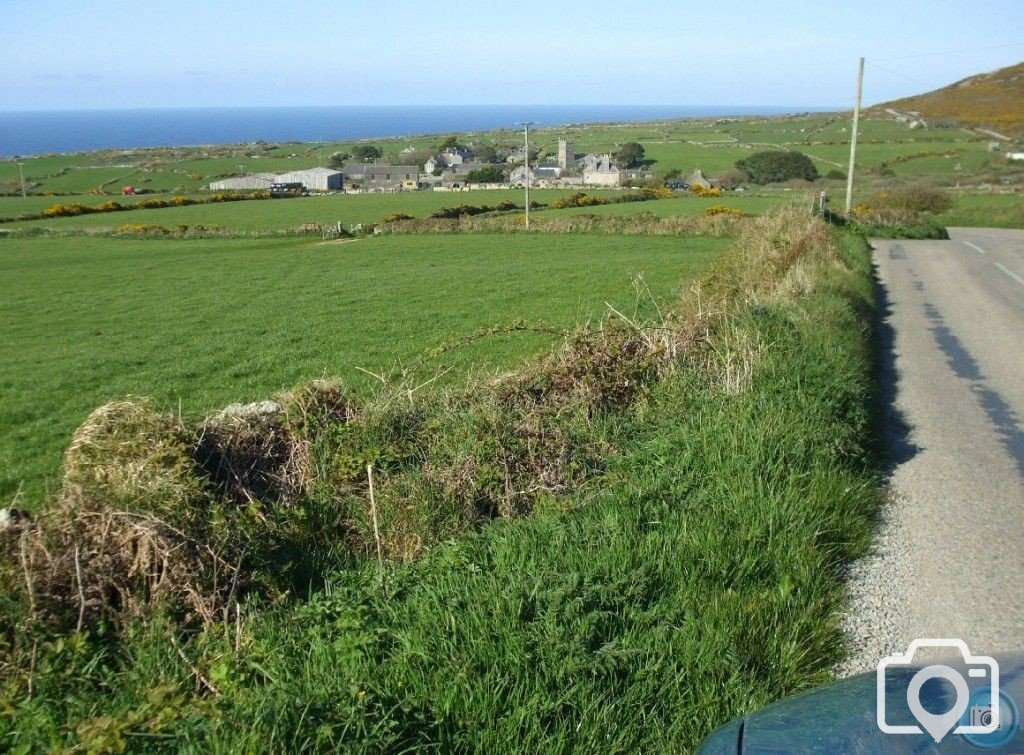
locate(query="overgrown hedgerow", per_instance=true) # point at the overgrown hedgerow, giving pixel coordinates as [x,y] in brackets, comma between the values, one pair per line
[668,510]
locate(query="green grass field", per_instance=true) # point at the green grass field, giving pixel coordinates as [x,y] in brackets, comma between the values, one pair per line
[205,323]
[694,577]
[288,214]
[993,210]
[351,209]
[675,528]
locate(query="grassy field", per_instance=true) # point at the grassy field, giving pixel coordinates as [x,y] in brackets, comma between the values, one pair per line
[288,214]
[694,578]
[351,209]
[992,210]
[206,323]
[617,547]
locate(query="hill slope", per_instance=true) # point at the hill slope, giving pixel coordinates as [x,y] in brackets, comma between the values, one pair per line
[995,100]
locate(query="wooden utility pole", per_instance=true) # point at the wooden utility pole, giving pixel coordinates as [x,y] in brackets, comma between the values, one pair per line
[526,146]
[853,138]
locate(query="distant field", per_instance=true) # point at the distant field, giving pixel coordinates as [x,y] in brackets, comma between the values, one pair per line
[993,210]
[712,145]
[687,205]
[287,214]
[204,323]
[270,215]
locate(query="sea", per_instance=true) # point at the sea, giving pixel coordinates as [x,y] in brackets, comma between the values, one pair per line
[25,133]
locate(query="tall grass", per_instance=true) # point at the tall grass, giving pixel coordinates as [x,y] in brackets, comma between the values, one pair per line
[694,575]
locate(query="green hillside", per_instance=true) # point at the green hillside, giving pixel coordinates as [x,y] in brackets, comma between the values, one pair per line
[993,100]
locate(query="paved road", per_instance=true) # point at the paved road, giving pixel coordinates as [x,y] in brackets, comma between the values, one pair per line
[950,556]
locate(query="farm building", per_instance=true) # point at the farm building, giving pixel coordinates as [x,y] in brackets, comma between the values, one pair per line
[314,179]
[242,183]
[381,177]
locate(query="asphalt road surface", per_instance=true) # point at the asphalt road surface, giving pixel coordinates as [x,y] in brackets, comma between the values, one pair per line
[949,560]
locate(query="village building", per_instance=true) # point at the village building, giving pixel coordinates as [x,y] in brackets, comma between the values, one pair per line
[566,154]
[697,178]
[450,158]
[599,170]
[368,177]
[541,175]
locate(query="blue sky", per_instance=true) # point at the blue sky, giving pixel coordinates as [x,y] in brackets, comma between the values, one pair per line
[62,55]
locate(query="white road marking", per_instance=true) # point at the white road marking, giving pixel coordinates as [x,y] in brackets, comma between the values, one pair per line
[1012,275]
[975,247]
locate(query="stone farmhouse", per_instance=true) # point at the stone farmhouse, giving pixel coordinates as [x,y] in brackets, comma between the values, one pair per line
[450,158]
[544,176]
[367,177]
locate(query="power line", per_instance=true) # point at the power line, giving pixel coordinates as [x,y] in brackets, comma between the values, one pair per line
[911,79]
[950,52]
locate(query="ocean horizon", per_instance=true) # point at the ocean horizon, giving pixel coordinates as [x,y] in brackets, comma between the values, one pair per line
[28,133]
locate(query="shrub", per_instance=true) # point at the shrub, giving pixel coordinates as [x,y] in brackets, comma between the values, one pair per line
[465,209]
[141,229]
[777,165]
[721,209]
[366,152]
[181,201]
[658,192]
[731,178]
[700,191]
[67,210]
[579,199]
[489,175]
[911,198]
[629,155]
[836,175]
[396,217]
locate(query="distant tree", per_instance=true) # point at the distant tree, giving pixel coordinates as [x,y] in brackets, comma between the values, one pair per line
[365,152]
[629,155]
[418,157]
[673,173]
[731,179]
[338,160]
[773,166]
[491,174]
[451,142]
[486,154]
